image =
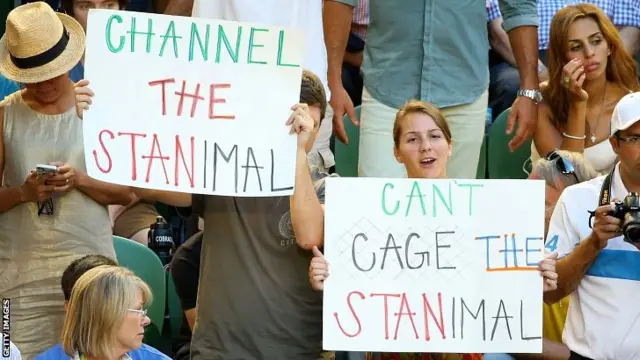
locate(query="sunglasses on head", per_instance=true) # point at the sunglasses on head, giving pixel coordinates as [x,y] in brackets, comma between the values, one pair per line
[563,165]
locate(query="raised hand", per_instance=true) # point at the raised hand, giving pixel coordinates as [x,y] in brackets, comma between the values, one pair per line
[301,123]
[318,270]
[84,97]
[573,77]
[547,269]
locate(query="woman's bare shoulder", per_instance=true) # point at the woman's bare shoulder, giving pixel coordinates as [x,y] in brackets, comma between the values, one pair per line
[617,91]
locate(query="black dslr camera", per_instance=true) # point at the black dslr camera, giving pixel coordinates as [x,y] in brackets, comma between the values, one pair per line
[628,211]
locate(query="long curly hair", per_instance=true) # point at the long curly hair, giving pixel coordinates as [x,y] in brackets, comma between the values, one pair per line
[621,68]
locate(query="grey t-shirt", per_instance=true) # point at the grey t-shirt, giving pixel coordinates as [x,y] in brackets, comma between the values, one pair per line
[254,297]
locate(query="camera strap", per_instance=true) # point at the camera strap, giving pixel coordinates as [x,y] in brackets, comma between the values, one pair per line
[605,191]
[605,195]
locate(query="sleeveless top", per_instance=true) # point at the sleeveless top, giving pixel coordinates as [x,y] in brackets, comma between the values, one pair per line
[37,249]
[599,156]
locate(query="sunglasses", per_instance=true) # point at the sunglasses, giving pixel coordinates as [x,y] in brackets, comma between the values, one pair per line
[563,165]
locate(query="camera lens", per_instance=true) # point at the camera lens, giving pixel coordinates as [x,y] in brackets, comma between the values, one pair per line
[632,232]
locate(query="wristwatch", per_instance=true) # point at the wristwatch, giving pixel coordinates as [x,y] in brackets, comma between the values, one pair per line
[534,95]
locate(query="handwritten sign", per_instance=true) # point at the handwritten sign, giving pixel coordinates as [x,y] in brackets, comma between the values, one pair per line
[191,105]
[433,266]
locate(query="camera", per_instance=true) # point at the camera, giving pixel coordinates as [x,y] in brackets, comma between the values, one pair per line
[628,211]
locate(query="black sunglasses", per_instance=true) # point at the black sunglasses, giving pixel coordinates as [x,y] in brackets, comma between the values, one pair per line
[563,165]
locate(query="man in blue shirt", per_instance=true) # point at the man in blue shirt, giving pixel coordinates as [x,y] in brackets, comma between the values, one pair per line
[434,51]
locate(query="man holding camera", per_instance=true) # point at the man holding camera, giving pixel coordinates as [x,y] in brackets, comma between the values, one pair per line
[599,262]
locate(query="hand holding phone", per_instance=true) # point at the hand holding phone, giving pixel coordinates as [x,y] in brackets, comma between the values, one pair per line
[42,170]
[35,188]
[64,178]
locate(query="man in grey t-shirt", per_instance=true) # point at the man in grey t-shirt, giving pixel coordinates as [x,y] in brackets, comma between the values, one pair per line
[254,299]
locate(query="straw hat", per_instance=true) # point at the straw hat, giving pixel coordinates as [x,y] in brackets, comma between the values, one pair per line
[39,44]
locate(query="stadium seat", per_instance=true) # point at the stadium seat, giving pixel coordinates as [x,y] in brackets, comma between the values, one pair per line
[146,265]
[501,162]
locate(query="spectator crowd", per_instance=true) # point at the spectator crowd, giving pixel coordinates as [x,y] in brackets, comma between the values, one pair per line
[420,81]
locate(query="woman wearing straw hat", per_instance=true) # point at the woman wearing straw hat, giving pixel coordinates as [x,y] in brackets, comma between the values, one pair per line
[47,219]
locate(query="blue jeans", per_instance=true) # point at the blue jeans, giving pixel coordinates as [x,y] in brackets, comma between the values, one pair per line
[504,82]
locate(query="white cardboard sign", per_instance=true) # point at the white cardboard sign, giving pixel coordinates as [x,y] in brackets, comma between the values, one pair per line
[433,266]
[191,105]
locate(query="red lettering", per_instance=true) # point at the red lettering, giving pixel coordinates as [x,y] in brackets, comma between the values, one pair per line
[335,315]
[427,308]
[134,167]
[152,155]
[213,100]
[404,303]
[386,312]
[104,148]
[164,92]
[181,156]
[194,97]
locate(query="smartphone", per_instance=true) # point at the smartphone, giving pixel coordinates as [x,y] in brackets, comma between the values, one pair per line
[42,169]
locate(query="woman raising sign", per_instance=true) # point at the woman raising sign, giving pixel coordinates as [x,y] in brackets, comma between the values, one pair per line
[422,143]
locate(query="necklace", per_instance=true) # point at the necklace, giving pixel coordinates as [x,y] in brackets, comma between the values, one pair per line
[593,129]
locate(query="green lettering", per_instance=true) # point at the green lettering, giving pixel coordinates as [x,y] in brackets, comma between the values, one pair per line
[170,33]
[384,200]
[471,186]
[252,46]
[204,49]
[415,193]
[114,49]
[449,206]
[133,34]
[222,37]
[280,47]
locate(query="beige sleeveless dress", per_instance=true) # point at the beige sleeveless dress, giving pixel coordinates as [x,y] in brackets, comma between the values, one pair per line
[35,250]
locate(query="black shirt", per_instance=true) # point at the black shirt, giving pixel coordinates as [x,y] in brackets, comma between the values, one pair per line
[185,271]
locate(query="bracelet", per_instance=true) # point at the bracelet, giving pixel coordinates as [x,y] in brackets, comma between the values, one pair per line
[583,137]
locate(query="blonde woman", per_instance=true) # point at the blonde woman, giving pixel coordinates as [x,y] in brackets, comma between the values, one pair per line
[106,317]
